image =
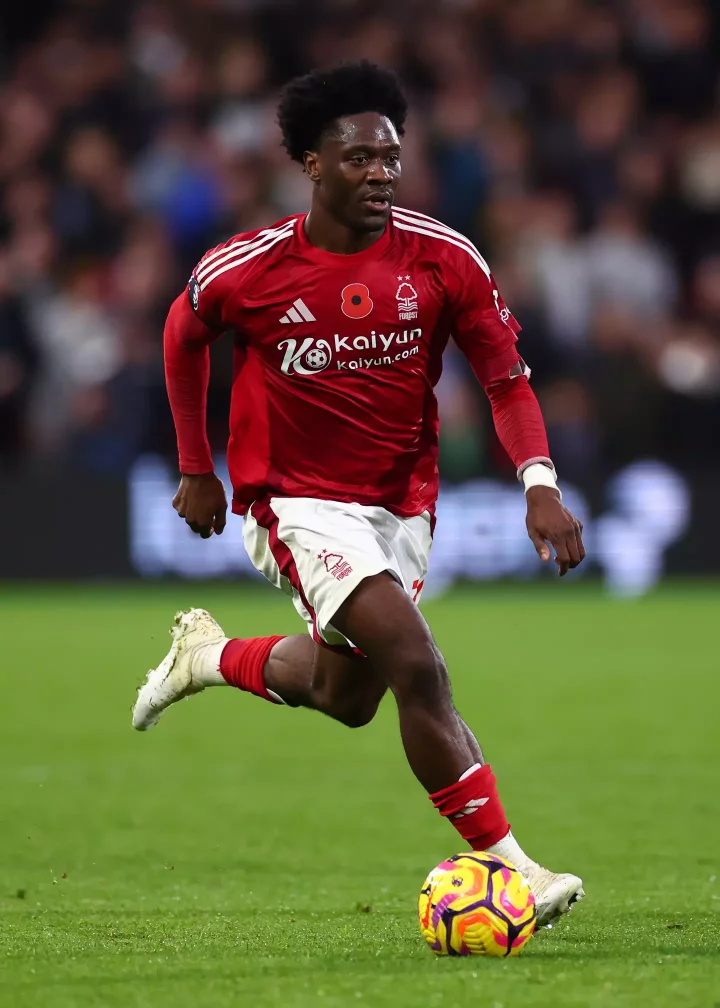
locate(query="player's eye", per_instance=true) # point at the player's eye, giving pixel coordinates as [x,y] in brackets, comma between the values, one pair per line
[392,159]
[359,159]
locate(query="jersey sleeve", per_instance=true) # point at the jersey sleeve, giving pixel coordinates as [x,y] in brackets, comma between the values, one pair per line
[486,332]
[482,325]
[206,289]
[214,291]
[187,371]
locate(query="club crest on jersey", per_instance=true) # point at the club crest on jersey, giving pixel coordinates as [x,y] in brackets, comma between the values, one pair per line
[310,357]
[356,302]
[407,299]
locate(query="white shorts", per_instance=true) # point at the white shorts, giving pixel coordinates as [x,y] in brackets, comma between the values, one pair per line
[319,551]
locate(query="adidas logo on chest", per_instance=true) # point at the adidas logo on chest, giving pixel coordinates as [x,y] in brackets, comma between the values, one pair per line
[298,312]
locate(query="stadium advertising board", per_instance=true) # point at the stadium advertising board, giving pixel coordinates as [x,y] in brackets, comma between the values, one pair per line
[643,521]
[480,533]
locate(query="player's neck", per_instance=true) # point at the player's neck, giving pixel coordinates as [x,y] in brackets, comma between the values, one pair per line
[324,232]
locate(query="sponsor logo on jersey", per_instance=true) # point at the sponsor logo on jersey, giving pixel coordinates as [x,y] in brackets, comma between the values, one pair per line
[407,299]
[298,312]
[310,356]
[307,358]
[375,341]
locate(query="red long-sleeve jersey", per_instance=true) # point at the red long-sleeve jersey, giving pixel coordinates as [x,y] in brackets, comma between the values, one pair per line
[336,359]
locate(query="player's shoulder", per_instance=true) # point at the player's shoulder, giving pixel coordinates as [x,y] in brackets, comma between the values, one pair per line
[444,244]
[244,250]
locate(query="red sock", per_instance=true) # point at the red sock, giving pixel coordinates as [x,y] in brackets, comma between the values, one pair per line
[474,808]
[242,663]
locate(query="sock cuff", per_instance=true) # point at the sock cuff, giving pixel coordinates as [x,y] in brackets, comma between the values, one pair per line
[242,663]
[474,808]
[453,799]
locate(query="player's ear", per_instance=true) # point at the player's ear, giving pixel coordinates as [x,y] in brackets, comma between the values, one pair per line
[311,162]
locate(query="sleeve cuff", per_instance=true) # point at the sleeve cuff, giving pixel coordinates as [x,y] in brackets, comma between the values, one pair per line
[196,468]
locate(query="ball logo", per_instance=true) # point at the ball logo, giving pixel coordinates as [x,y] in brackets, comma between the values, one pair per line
[310,357]
[316,359]
[356,301]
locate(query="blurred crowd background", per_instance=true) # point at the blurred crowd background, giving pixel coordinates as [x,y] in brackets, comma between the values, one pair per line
[576,142]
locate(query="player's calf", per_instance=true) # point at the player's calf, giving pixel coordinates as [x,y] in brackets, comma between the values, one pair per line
[354,709]
[345,686]
[353,713]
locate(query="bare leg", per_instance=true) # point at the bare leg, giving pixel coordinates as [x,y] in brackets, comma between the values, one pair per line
[386,625]
[342,685]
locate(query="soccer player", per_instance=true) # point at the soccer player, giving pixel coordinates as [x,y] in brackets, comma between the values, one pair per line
[340,318]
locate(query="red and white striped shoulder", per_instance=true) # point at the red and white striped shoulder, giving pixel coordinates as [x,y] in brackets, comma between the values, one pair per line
[241,249]
[419,223]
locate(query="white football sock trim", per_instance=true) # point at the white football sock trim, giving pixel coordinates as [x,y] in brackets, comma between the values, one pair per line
[473,768]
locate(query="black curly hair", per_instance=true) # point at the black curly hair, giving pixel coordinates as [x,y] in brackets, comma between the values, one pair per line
[310,105]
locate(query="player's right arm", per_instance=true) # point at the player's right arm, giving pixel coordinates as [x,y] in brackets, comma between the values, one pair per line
[200,498]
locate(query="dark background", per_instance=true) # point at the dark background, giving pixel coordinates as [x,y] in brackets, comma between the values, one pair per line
[577,143]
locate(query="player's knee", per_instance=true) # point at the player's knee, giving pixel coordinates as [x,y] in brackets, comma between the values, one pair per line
[420,676]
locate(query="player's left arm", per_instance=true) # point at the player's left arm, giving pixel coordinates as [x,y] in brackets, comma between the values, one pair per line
[200,498]
[486,333]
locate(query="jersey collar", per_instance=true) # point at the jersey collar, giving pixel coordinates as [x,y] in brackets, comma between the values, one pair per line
[316,254]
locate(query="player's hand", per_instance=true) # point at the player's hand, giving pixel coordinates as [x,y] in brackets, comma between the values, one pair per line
[201,501]
[549,522]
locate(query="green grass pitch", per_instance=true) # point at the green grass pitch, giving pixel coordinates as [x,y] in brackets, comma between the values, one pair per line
[244,855]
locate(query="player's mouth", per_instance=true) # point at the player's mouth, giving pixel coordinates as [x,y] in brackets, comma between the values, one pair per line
[379,202]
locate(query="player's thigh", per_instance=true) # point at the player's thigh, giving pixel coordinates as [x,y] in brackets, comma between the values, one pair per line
[410,540]
[326,549]
[259,541]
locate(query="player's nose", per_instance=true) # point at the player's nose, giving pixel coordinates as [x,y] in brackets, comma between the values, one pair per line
[378,171]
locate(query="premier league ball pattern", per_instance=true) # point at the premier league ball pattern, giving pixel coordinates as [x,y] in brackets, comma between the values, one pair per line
[476,904]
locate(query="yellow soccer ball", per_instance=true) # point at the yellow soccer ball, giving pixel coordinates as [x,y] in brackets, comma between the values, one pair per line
[476,904]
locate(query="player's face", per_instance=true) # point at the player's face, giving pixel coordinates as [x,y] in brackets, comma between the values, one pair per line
[357,171]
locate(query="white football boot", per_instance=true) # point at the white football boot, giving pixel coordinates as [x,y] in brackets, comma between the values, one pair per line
[190,665]
[554,894]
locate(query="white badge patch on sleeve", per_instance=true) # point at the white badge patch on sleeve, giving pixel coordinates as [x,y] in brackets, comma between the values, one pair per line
[194,293]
